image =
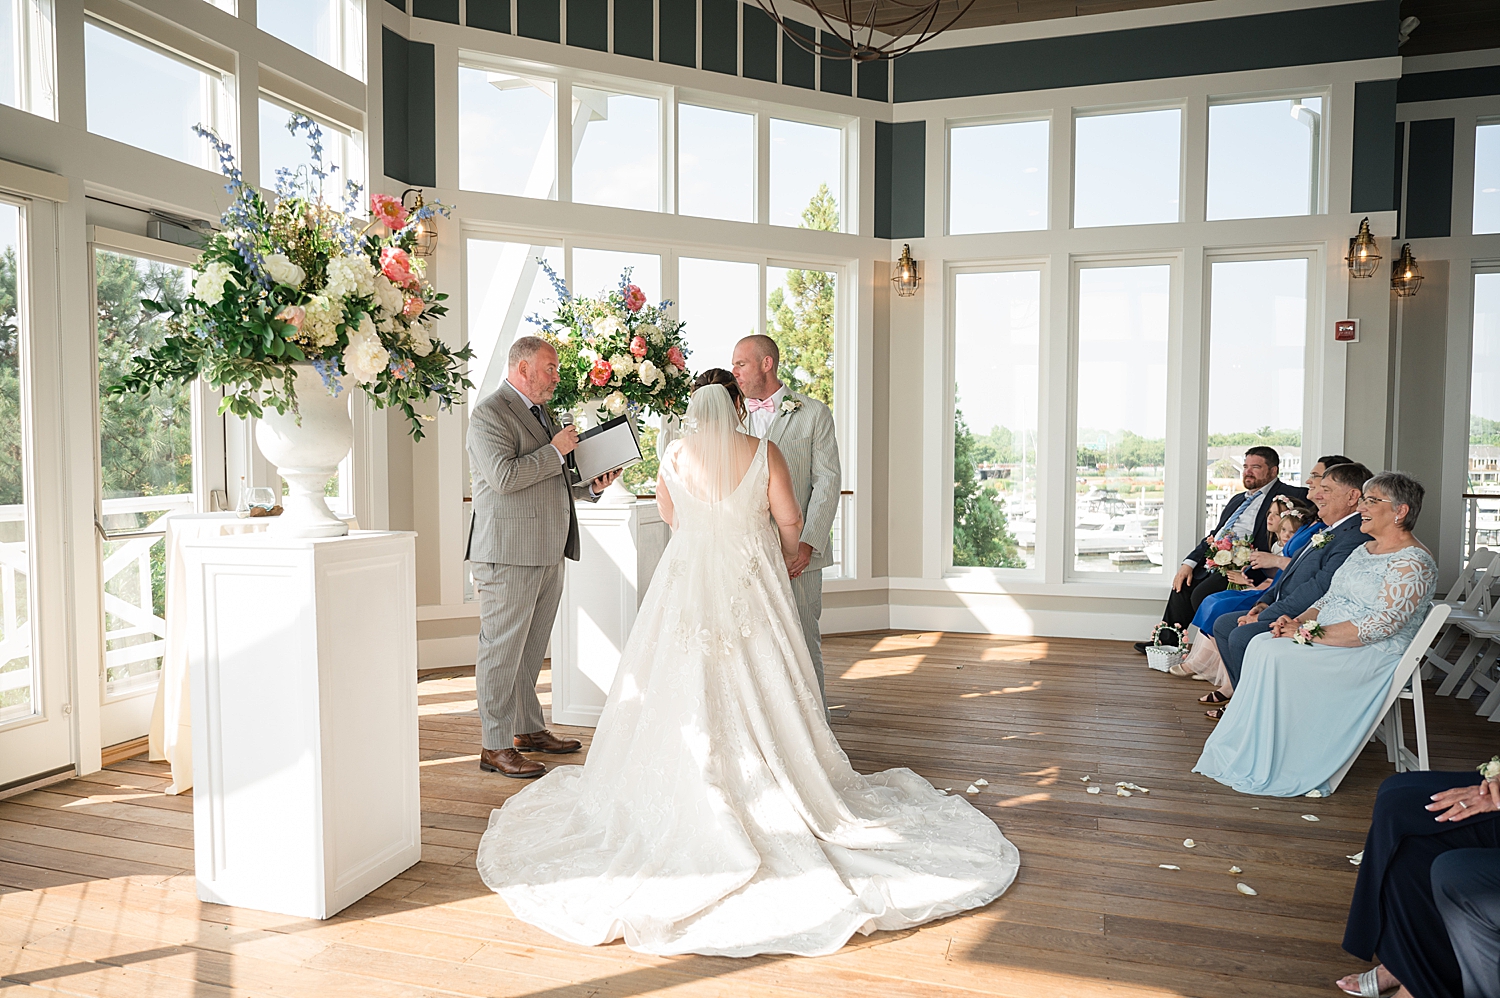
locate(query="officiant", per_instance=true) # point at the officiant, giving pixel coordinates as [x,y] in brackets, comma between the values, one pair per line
[524,525]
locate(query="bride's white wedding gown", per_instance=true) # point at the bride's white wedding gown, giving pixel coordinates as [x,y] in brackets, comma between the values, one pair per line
[716,813]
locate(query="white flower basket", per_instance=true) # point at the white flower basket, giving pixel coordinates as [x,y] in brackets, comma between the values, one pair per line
[1163,657]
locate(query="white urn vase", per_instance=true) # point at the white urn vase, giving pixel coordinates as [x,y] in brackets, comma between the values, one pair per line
[306,446]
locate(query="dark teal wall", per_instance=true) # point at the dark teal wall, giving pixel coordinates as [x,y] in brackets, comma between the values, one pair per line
[1371,187]
[408,109]
[900,179]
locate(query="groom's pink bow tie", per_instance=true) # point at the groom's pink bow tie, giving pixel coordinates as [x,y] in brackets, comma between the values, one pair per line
[761,405]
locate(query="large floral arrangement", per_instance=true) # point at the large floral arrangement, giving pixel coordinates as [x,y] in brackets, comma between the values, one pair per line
[617,350]
[298,280]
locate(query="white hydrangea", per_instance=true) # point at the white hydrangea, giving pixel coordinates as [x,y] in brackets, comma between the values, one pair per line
[421,339]
[208,286]
[350,275]
[653,334]
[649,373]
[389,297]
[608,326]
[323,317]
[623,365]
[365,357]
[588,354]
[284,271]
[615,403]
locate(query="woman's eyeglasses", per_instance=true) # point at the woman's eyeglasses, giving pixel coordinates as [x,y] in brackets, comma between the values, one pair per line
[1372,500]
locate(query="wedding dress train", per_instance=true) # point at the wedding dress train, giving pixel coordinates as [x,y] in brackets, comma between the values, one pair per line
[716,813]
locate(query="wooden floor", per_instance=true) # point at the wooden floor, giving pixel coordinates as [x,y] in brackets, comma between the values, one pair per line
[96,886]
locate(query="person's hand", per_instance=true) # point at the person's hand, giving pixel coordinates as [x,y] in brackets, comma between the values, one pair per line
[1252,616]
[1238,578]
[604,481]
[1265,559]
[1285,626]
[1183,576]
[566,441]
[1464,802]
[797,563]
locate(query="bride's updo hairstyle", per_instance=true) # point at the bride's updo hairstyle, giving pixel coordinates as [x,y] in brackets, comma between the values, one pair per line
[719,376]
[713,443]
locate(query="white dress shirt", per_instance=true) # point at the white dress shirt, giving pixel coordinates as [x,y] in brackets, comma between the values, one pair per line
[1248,511]
[760,422]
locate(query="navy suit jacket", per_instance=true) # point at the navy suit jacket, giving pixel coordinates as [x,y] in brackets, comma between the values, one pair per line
[1306,579]
[1262,539]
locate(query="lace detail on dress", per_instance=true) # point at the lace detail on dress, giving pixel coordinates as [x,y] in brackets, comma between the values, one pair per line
[1409,582]
[1385,596]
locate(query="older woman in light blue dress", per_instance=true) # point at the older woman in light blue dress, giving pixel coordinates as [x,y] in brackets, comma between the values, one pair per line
[1301,710]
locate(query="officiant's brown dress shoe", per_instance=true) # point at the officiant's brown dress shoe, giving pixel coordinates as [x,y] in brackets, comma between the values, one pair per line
[546,741]
[509,762]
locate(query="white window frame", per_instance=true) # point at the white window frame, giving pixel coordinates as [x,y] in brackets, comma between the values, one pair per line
[1184,133]
[1319,179]
[351,141]
[486,62]
[36,57]
[952,124]
[759,194]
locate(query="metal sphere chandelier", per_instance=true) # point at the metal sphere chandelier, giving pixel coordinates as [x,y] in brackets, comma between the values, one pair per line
[902,25]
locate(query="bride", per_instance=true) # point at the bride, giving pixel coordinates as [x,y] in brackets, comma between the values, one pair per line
[716,813]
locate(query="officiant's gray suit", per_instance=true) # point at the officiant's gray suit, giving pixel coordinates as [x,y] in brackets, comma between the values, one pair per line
[807,440]
[523,526]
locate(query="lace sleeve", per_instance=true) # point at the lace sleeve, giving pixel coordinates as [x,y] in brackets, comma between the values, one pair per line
[1409,581]
[1318,606]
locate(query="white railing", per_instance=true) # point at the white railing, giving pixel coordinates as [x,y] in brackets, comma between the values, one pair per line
[1481,522]
[134,633]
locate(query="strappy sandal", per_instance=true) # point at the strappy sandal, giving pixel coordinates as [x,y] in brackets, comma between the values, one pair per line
[1214,699]
[1215,714]
[1369,986]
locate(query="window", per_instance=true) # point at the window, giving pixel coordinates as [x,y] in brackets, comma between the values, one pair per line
[617,163]
[1257,346]
[596,271]
[1121,417]
[506,286]
[507,137]
[26,56]
[1263,158]
[996,343]
[146,466]
[1127,168]
[1484,399]
[997,177]
[1487,178]
[801,306]
[807,162]
[715,163]
[144,96]
[718,300]
[331,30]
[18,673]
[280,149]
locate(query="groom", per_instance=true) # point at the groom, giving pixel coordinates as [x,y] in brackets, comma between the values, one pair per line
[802,427]
[524,525]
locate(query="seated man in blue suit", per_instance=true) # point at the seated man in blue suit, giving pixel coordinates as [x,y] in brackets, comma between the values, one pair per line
[1303,582]
[1244,516]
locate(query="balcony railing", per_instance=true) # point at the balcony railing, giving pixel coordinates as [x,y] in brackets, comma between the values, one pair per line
[1481,521]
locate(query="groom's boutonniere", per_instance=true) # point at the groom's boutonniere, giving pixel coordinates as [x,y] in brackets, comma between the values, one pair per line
[790,405]
[1321,539]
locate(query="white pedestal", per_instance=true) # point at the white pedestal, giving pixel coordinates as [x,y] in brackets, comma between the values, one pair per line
[303,655]
[601,593]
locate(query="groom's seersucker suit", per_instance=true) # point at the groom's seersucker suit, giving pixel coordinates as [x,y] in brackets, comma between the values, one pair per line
[524,525]
[811,448]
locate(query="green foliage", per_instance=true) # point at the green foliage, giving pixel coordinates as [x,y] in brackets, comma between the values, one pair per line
[10,385]
[1123,450]
[981,536]
[641,477]
[1481,431]
[1263,437]
[802,314]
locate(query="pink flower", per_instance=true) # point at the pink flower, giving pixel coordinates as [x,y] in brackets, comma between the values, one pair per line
[413,308]
[677,360]
[403,368]
[295,314]
[396,265]
[638,346]
[1224,545]
[388,210]
[601,373]
[635,298]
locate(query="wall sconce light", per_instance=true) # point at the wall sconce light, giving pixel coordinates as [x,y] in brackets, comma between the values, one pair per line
[906,275]
[1405,277]
[1364,255]
[424,231]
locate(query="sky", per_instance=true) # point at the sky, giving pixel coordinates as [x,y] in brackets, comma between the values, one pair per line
[996,321]
[715,163]
[1122,350]
[289,21]
[998,177]
[1484,399]
[1127,168]
[1257,345]
[1260,157]
[139,96]
[1487,178]
[7,54]
[280,148]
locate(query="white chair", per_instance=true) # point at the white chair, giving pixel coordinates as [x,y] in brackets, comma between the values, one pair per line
[1406,683]
[1470,600]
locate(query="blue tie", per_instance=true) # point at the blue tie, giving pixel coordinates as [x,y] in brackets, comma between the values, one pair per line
[1228,528]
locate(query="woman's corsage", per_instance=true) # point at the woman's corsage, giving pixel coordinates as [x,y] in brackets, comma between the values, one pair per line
[1307,632]
[1321,539]
[790,405]
[1490,770]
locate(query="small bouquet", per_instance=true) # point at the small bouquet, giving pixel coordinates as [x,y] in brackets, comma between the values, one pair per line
[616,350]
[1490,770]
[1307,632]
[1231,554]
[296,279]
[1160,656]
